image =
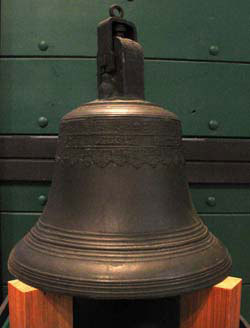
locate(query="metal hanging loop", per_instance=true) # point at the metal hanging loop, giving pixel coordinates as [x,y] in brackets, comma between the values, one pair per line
[113,9]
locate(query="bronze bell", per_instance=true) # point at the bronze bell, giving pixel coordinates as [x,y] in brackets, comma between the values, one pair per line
[119,222]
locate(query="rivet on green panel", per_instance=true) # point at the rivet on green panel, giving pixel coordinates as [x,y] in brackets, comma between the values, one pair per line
[43,46]
[214,50]
[43,121]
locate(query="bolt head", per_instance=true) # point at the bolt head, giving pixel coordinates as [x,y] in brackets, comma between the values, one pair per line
[211,201]
[214,50]
[213,124]
[42,121]
[43,46]
[42,199]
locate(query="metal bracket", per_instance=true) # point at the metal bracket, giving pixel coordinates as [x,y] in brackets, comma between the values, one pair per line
[120,64]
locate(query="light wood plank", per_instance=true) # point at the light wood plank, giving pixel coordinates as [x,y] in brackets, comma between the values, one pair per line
[216,307]
[30,307]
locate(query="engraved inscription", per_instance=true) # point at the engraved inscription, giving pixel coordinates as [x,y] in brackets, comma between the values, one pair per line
[81,141]
[121,126]
[136,157]
[120,142]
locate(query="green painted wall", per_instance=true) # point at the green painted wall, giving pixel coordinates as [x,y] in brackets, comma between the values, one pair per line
[167,28]
[197,92]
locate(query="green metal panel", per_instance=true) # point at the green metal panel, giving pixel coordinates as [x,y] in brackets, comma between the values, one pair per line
[203,92]
[233,231]
[197,92]
[25,197]
[31,89]
[245,302]
[31,197]
[13,228]
[167,29]
[227,198]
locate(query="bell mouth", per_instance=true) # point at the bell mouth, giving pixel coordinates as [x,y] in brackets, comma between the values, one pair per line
[120,267]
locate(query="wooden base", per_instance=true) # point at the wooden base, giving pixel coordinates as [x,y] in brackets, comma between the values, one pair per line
[32,308]
[216,307]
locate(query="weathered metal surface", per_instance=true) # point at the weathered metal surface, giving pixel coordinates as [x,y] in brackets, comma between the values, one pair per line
[118,48]
[196,92]
[208,30]
[16,222]
[227,227]
[119,222]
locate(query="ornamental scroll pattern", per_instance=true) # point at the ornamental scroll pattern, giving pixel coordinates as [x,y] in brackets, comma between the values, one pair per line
[93,146]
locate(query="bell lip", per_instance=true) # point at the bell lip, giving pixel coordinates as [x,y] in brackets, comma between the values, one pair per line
[139,291]
[136,288]
[52,240]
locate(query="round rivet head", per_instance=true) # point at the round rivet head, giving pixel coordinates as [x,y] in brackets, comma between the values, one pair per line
[213,125]
[42,199]
[214,50]
[42,121]
[211,201]
[43,46]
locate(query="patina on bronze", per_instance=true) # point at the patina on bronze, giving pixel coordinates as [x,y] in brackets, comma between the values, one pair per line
[119,223]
